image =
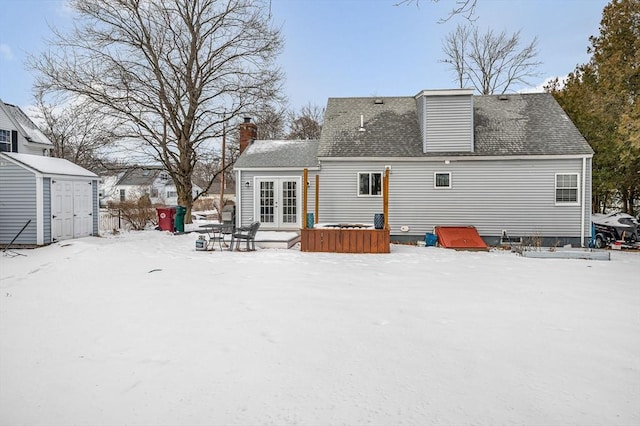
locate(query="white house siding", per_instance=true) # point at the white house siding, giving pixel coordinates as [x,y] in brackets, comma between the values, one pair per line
[493,195]
[17,204]
[245,205]
[447,123]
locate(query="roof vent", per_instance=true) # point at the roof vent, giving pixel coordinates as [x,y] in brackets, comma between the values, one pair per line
[361,129]
[503,97]
[378,101]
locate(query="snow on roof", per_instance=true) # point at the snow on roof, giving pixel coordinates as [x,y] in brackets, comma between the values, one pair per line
[32,131]
[271,145]
[50,165]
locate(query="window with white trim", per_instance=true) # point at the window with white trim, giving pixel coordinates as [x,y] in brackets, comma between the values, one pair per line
[5,140]
[369,183]
[567,188]
[442,180]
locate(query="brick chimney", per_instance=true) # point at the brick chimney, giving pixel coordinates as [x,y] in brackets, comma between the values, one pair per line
[248,132]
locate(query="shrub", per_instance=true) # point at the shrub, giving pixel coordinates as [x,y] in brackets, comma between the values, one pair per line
[138,214]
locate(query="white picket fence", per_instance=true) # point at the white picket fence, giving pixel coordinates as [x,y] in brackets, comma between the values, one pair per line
[110,220]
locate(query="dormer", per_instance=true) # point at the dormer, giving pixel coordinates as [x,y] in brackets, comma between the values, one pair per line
[446,120]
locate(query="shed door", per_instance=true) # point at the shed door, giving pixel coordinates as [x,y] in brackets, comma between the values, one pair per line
[278,202]
[82,209]
[61,209]
[71,209]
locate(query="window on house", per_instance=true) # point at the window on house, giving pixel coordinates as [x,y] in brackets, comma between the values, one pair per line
[442,180]
[370,184]
[122,195]
[5,140]
[566,188]
[171,194]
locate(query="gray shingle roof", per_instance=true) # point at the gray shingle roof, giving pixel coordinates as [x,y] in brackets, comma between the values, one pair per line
[521,124]
[139,176]
[279,153]
[524,124]
[391,128]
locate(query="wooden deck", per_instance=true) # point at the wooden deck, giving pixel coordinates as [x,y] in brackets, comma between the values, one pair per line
[345,240]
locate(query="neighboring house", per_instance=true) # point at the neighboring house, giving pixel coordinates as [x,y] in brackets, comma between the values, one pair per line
[51,198]
[19,134]
[153,181]
[510,165]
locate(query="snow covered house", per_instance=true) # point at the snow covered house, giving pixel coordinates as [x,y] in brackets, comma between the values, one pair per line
[51,198]
[19,134]
[510,165]
[135,182]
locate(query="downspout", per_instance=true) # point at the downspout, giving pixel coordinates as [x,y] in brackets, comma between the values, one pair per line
[238,199]
[583,214]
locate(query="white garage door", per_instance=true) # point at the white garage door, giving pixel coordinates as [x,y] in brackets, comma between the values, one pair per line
[71,209]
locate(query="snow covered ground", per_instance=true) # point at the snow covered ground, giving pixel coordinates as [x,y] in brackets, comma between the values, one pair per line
[141,329]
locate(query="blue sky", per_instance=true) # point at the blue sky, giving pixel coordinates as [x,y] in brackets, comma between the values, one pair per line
[341,48]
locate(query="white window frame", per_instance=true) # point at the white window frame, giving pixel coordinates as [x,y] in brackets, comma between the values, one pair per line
[556,188]
[6,142]
[435,180]
[370,174]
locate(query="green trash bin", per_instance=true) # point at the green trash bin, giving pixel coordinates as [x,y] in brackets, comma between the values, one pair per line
[178,223]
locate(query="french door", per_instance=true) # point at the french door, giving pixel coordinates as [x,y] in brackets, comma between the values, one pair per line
[278,202]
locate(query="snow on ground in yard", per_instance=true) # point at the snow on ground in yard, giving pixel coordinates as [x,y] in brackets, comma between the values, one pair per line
[141,329]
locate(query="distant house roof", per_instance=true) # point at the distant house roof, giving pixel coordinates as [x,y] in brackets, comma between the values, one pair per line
[279,153]
[50,165]
[25,126]
[516,124]
[139,176]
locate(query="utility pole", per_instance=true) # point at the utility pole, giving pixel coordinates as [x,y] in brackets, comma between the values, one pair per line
[224,148]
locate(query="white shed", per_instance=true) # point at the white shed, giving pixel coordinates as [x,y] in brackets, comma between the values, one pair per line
[51,198]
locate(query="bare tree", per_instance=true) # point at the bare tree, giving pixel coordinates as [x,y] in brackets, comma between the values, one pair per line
[306,123]
[466,8]
[173,70]
[78,130]
[490,62]
[271,122]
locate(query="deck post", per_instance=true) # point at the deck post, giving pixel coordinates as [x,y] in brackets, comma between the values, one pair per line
[317,205]
[385,198]
[305,176]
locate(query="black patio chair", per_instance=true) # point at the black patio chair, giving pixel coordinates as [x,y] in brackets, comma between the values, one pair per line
[247,233]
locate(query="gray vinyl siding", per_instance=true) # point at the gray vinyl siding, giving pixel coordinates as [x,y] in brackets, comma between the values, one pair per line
[246,199]
[447,123]
[46,211]
[493,195]
[17,204]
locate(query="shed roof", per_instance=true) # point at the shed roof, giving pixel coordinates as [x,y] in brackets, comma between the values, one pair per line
[49,165]
[279,153]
